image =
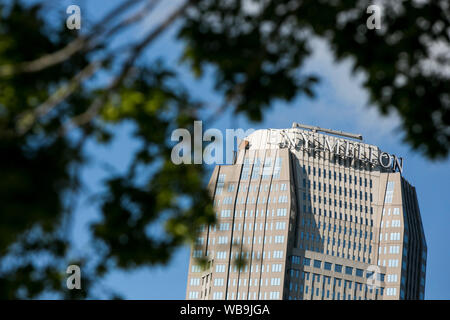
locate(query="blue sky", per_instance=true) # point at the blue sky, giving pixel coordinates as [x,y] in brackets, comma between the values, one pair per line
[340,104]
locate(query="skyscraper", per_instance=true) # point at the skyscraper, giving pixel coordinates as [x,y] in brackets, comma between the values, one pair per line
[310,213]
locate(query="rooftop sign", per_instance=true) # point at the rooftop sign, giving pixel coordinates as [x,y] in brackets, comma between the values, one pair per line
[301,140]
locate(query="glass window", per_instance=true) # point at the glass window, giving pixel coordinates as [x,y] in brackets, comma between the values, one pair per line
[389,192]
[338,268]
[359,272]
[267,168]
[306,261]
[220,184]
[327,266]
[277,170]
[349,270]
[317,264]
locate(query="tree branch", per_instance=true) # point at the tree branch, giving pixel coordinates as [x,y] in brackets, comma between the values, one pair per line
[93,109]
[73,47]
[27,119]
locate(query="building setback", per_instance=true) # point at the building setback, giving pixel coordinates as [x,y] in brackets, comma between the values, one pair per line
[307,215]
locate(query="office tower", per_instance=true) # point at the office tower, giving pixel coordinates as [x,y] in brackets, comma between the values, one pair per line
[310,213]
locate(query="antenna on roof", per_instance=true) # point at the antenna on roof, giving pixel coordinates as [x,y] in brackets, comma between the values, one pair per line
[335,132]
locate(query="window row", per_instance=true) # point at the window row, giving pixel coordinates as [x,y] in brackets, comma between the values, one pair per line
[325,265]
[306,223]
[253,200]
[251,188]
[277,225]
[395,212]
[391,291]
[226,213]
[339,191]
[343,217]
[254,282]
[342,205]
[355,256]
[334,291]
[265,170]
[392,249]
[244,240]
[262,187]
[338,176]
[393,236]
[253,295]
[392,224]
[277,254]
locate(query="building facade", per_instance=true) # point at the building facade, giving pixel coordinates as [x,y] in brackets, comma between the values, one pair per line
[304,213]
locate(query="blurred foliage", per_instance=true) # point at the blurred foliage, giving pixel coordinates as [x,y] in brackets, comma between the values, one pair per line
[257,49]
[40,168]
